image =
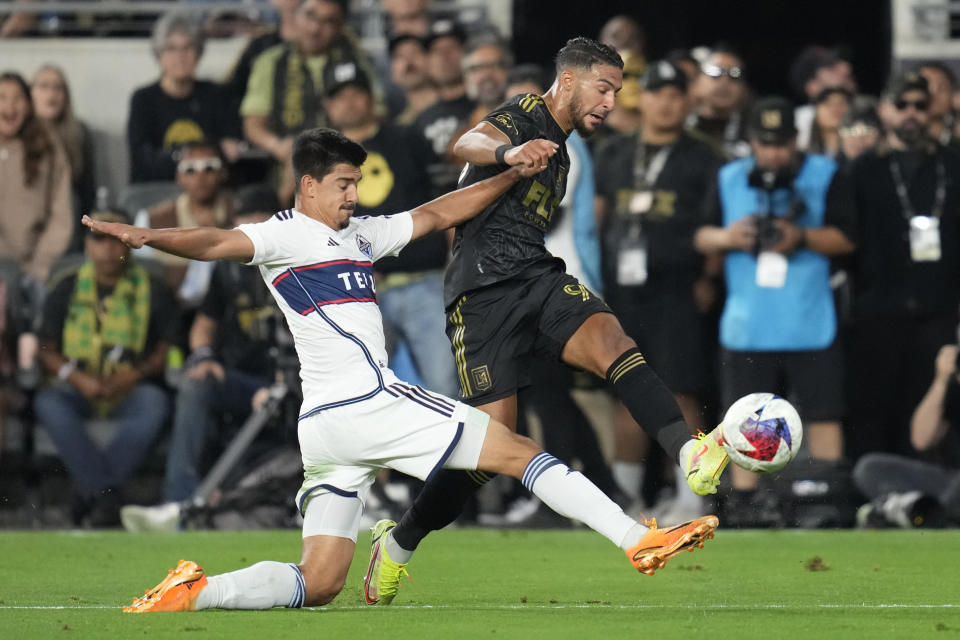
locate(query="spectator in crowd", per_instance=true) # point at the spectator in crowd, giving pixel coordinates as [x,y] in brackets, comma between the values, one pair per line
[651,188]
[409,286]
[814,70]
[407,17]
[526,78]
[941,82]
[860,131]
[51,99]
[235,83]
[778,218]
[899,485]
[15,318]
[178,108]
[104,335]
[831,105]
[721,91]
[18,23]
[233,341]
[408,71]
[683,59]
[34,183]
[625,34]
[287,82]
[907,269]
[205,202]
[439,122]
[485,66]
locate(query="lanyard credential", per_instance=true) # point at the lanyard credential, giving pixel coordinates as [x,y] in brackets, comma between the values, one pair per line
[900,185]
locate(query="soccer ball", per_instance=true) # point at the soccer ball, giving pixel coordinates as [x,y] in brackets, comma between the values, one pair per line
[762,432]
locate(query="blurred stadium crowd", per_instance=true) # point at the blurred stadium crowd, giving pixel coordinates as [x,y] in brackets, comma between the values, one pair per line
[805,244]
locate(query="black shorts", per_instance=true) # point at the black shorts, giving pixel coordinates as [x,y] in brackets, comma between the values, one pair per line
[669,331]
[811,380]
[494,331]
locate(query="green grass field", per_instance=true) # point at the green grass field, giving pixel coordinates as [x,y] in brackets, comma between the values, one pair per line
[471,583]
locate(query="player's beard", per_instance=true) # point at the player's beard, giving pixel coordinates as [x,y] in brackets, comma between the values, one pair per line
[576,117]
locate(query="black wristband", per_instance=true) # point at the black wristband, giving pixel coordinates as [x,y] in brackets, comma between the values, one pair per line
[502,151]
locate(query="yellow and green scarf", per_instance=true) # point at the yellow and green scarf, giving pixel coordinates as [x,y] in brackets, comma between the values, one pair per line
[94,327]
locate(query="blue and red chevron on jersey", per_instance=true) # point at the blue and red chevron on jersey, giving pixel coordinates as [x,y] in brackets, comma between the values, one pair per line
[310,286]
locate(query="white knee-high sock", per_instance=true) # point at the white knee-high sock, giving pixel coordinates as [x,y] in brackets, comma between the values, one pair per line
[262,586]
[570,494]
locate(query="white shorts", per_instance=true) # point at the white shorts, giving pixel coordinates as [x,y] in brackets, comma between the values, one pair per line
[403,427]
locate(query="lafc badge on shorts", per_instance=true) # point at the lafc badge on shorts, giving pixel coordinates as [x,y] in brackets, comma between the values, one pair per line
[481,377]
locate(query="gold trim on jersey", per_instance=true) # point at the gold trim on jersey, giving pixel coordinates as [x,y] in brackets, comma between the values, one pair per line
[632,362]
[459,348]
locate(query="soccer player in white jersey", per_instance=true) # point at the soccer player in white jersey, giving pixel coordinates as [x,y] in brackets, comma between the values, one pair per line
[357,416]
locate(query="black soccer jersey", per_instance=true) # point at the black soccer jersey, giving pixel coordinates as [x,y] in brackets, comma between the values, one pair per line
[507,237]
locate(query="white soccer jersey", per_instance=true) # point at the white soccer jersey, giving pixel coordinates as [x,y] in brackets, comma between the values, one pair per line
[323,281]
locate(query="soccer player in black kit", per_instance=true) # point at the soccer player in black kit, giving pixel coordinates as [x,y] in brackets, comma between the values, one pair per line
[508,299]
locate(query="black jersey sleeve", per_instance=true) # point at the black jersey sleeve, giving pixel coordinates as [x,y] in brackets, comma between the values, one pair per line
[515,120]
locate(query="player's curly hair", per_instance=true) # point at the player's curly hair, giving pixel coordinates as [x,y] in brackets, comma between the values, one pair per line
[582,53]
[316,151]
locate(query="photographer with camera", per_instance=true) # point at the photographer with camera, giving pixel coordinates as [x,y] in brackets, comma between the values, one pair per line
[910,492]
[778,218]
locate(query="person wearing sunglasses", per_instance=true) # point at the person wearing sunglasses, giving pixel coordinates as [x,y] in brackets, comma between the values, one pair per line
[721,95]
[205,202]
[907,270]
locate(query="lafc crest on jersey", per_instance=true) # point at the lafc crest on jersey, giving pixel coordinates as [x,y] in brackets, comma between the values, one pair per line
[505,122]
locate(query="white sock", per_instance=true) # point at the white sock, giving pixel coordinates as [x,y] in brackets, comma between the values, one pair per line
[395,551]
[262,586]
[570,494]
[684,456]
[629,475]
[685,494]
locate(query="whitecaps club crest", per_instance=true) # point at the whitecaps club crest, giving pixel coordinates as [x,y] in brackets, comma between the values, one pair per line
[364,246]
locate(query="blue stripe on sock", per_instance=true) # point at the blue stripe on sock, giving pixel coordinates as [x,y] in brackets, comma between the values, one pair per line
[299,593]
[540,463]
[534,468]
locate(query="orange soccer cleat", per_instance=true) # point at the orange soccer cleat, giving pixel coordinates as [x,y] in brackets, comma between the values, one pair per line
[177,592]
[659,545]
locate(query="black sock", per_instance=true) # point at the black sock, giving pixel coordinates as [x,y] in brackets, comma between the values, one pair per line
[438,504]
[649,401]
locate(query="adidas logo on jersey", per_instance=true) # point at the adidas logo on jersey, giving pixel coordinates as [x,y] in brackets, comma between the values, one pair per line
[332,243]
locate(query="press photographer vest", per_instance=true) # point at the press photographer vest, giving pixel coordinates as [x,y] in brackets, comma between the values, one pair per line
[800,316]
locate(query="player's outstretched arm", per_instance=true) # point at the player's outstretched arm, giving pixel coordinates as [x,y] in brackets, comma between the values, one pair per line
[479,147]
[201,243]
[458,206]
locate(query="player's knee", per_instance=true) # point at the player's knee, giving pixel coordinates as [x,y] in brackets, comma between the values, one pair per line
[322,590]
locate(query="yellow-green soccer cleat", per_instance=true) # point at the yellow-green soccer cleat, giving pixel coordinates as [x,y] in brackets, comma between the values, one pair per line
[382,581]
[706,462]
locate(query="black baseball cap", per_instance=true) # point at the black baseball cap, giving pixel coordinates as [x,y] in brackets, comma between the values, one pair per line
[771,120]
[346,74]
[445,28]
[397,39]
[904,81]
[662,74]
